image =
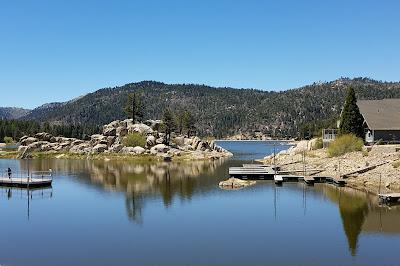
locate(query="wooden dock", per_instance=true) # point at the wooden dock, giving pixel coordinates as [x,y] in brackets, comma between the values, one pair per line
[270,172]
[22,179]
[309,180]
[389,197]
[25,182]
[278,179]
[336,180]
[252,172]
[267,173]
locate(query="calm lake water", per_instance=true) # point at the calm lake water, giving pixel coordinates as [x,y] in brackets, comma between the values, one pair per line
[124,213]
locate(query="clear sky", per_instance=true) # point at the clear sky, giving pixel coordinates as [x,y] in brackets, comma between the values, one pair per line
[57,50]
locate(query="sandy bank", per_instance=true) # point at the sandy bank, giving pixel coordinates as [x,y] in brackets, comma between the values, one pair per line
[384,161]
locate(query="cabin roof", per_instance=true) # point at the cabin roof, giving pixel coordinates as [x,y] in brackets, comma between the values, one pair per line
[381,114]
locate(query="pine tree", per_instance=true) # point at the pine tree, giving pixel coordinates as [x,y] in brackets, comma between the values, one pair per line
[189,123]
[351,120]
[180,117]
[168,124]
[134,108]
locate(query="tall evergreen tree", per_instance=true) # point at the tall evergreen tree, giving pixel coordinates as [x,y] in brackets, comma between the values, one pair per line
[189,123]
[168,124]
[134,108]
[351,120]
[179,117]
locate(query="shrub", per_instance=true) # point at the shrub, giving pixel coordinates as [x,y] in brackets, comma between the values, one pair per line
[396,164]
[8,140]
[318,144]
[344,144]
[133,140]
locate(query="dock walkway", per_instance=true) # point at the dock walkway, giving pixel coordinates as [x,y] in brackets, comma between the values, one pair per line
[26,179]
[278,179]
[389,197]
[25,182]
[271,172]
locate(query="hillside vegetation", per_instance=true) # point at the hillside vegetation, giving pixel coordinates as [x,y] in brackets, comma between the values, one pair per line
[12,112]
[222,111]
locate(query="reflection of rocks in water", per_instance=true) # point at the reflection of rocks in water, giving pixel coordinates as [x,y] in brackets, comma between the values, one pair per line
[140,180]
[354,208]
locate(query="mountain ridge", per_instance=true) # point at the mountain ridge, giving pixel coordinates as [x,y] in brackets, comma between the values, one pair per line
[13,112]
[219,111]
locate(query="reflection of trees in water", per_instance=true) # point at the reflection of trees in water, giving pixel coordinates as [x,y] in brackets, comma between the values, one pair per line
[354,208]
[134,205]
[140,180]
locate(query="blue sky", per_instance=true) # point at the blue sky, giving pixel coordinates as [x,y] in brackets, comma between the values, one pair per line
[57,50]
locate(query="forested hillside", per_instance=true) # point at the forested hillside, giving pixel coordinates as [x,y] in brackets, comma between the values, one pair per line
[12,112]
[220,111]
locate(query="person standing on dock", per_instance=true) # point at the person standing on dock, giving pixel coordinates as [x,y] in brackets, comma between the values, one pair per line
[9,172]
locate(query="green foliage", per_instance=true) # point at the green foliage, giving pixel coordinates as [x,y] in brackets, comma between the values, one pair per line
[134,139]
[344,144]
[168,124]
[189,123]
[185,122]
[380,142]
[18,128]
[314,128]
[220,112]
[133,107]
[396,164]
[8,140]
[351,120]
[318,144]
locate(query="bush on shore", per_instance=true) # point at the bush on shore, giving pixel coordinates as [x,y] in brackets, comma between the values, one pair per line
[8,140]
[344,144]
[133,140]
[318,144]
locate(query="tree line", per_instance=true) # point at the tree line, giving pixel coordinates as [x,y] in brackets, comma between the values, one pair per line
[15,129]
[221,112]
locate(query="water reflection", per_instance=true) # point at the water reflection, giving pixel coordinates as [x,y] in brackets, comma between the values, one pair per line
[26,194]
[359,212]
[141,181]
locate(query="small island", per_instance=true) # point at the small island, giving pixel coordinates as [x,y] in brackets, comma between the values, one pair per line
[121,139]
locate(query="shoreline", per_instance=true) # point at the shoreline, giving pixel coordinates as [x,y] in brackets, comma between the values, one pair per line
[259,140]
[375,169]
[111,157]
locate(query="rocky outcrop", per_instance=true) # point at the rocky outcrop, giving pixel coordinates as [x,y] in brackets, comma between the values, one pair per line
[111,139]
[235,183]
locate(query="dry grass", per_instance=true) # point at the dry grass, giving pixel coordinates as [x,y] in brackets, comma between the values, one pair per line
[344,144]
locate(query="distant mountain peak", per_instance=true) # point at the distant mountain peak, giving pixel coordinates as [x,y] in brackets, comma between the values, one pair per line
[13,112]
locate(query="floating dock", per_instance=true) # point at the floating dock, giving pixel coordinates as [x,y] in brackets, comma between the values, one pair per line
[34,179]
[309,180]
[389,197]
[25,182]
[266,173]
[270,172]
[278,179]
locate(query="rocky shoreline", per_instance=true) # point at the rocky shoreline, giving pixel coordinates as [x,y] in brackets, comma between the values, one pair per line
[110,144]
[380,163]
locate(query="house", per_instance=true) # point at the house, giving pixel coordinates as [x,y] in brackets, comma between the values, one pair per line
[381,119]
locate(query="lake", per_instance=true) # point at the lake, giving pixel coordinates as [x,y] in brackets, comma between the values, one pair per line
[126,213]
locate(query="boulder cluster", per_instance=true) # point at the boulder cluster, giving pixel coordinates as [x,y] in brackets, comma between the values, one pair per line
[111,141]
